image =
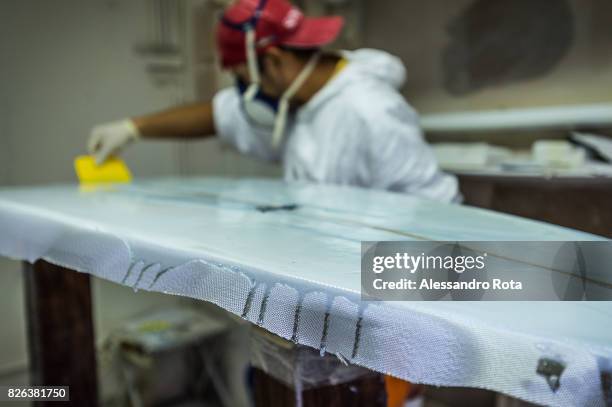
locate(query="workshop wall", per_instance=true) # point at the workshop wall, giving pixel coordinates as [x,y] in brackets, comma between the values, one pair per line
[69,65]
[466,55]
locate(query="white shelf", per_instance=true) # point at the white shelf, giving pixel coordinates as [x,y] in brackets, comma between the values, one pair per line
[570,117]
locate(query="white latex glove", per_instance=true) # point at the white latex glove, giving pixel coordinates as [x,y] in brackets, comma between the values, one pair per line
[111,138]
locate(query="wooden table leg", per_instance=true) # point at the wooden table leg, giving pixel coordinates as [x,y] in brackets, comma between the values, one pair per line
[60,331]
[287,375]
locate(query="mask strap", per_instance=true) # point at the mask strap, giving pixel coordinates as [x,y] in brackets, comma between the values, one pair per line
[283,107]
[252,64]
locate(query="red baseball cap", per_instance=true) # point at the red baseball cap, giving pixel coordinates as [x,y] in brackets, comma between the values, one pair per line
[276,22]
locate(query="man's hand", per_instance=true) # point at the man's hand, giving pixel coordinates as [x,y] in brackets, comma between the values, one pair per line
[111,138]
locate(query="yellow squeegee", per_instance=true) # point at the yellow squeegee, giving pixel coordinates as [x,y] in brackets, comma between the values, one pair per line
[112,171]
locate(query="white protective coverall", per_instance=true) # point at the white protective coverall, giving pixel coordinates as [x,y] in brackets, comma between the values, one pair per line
[357,130]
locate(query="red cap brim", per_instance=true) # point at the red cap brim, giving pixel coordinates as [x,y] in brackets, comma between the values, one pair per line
[315,32]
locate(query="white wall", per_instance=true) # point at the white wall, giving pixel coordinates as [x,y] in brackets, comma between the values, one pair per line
[69,64]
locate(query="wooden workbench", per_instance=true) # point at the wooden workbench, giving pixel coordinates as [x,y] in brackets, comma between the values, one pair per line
[581,203]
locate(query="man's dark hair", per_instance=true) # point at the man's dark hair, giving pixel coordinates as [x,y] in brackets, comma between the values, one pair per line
[303,54]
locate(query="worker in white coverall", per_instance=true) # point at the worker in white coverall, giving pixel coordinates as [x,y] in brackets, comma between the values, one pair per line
[335,118]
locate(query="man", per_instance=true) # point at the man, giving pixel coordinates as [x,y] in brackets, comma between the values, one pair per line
[329,118]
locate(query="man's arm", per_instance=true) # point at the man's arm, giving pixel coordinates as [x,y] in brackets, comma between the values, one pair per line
[184,122]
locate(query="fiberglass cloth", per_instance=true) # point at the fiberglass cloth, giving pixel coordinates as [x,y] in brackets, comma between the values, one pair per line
[296,272]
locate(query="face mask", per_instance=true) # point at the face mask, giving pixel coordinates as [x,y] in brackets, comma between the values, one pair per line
[268,113]
[262,110]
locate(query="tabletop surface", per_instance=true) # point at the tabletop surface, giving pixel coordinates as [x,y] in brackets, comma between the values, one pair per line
[287,257]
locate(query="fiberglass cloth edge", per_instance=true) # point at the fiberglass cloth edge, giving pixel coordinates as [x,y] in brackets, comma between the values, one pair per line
[417,343]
